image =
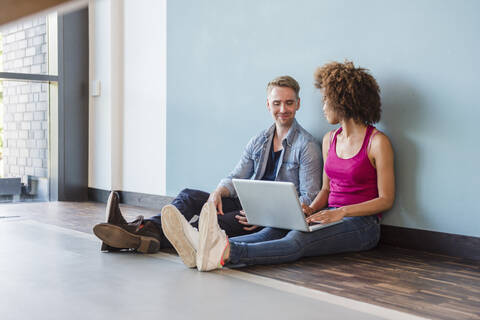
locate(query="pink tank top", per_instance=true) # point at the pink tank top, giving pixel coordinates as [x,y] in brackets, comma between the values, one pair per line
[352,180]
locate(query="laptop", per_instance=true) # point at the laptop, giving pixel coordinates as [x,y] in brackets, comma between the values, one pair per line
[274,204]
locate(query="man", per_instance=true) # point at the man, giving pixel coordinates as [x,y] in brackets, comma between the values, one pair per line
[283,152]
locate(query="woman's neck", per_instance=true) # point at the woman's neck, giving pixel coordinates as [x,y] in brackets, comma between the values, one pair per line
[351,128]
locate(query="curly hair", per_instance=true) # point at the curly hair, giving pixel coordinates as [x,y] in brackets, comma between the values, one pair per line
[351,92]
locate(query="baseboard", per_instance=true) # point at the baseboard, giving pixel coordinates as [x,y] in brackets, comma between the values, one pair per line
[150,201]
[437,242]
[98,195]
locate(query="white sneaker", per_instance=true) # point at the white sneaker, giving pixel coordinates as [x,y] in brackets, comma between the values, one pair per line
[181,234]
[213,241]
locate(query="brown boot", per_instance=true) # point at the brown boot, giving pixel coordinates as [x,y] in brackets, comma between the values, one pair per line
[138,235]
[113,213]
[113,216]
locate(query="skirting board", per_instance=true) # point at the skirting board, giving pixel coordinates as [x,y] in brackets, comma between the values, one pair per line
[436,242]
[431,241]
[143,200]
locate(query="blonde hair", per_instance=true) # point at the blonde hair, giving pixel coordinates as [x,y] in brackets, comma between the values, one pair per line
[284,81]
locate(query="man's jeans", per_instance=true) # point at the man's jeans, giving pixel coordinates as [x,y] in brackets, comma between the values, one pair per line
[190,202]
[271,245]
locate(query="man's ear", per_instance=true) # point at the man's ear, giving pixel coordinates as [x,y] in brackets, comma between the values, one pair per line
[298,103]
[268,105]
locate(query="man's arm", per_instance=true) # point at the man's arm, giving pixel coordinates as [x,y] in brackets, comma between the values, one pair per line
[309,172]
[321,200]
[243,170]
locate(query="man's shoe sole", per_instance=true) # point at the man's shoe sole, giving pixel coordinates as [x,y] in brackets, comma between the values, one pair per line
[106,247]
[173,230]
[118,237]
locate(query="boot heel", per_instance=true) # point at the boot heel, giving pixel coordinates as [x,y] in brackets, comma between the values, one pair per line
[148,245]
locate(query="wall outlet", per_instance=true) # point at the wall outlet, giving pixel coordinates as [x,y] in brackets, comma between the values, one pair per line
[95,88]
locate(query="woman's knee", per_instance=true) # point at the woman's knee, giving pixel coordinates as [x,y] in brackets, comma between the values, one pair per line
[272,233]
[297,240]
[267,234]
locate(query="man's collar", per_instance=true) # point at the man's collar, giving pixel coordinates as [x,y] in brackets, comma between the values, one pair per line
[290,134]
[270,131]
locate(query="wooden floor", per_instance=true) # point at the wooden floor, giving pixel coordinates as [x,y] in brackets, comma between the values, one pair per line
[429,285]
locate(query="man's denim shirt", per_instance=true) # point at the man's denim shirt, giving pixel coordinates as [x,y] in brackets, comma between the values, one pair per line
[300,162]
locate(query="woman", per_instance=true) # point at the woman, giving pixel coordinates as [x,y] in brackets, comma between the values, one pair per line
[358,185]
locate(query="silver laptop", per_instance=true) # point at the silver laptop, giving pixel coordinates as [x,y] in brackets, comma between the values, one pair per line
[273,204]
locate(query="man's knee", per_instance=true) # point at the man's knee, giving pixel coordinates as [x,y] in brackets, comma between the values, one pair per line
[188,191]
[190,202]
[192,193]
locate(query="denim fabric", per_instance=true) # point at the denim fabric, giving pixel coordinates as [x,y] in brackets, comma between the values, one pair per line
[272,246]
[300,162]
[190,202]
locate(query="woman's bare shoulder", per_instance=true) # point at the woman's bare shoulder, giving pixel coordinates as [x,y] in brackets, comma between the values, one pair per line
[380,141]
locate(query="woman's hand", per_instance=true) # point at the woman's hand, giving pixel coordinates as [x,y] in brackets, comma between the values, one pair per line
[242,219]
[307,210]
[327,216]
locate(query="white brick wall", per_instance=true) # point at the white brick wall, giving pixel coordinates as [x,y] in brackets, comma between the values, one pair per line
[25,105]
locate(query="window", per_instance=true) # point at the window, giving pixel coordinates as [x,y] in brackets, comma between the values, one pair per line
[28,91]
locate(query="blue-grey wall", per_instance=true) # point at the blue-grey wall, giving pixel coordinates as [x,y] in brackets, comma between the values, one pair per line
[424,54]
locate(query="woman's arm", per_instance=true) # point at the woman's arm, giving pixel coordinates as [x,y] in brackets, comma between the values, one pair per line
[381,153]
[321,200]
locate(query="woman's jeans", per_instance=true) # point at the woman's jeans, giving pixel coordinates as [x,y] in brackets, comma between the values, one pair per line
[271,245]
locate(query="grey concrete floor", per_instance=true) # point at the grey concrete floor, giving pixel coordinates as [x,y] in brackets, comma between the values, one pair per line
[50,272]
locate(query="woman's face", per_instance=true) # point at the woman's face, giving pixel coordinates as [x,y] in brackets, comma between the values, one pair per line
[329,113]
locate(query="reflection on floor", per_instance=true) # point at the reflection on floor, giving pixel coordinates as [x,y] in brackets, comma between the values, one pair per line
[63,267]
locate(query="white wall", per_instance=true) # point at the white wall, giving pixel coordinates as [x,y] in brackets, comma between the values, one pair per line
[100,107]
[145,48]
[128,120]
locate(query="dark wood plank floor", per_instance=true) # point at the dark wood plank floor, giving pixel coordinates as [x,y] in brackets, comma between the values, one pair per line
[429,285]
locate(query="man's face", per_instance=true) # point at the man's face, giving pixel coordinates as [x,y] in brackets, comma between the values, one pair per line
[283,103]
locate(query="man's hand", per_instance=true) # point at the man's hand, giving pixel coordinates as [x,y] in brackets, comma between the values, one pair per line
[326,216]
[307,210]
[216,198]
[242,219]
